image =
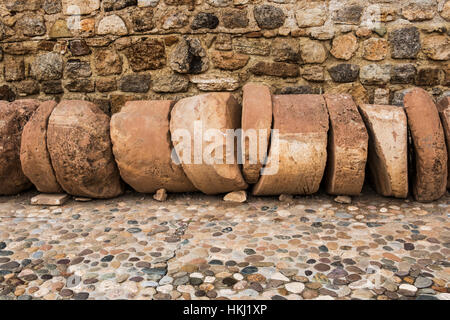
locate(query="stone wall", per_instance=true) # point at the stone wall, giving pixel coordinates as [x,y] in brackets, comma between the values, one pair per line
[111,51]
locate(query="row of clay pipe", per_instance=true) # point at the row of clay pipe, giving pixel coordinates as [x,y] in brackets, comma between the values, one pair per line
[298,143]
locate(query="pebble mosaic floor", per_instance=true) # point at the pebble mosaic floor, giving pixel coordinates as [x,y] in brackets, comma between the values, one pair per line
[199,247]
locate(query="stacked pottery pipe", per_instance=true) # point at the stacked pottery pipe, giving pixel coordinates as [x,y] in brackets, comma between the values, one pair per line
[307,141]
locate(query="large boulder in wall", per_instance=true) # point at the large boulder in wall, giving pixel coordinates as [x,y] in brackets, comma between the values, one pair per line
[388,149]
[257,118]
[34,156]
[142,148]
[298,151]
[430,151]
[347,147]
[200,130]
[80,149]
[13,118]
[444,112]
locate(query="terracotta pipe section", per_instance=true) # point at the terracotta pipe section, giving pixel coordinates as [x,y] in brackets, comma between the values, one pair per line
[273,144]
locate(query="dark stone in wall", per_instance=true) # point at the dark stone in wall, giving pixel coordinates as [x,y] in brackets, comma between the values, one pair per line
[348,14]
[52,87]
[446,80]
[52,6]
[14,68]
[428,76]
[7,94]
[229,60]
[170,83]
[313,73]
[269,17]
[205,20]
[22,5]
[107,62]
[189,57]
[142,20]
[78,69]
[344,72]
[27,87]
[46,45]
[276,69]
[80,85]
[106,84]
[283,51]
[148,54]
[110,5]
[79,48]
[48,66]
[138,83]
[189,3]
[405,43]
[2,31]
[16,48]
[234,18]
[32,25]
[403,73]
[296,90]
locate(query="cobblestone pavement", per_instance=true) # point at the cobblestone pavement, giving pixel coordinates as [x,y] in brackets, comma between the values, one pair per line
[199,247]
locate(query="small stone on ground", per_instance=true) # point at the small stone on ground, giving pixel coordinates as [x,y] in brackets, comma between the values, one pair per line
[49,199]
[237,196]
[160,195]
[343,199]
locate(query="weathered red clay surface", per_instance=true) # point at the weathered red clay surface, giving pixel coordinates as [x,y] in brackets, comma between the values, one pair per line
[257,118]
[219,112]
[34,156]
[431,158]
[388,149]
[142,148]
[347,147]
[80,150]
[301,155]
[13,117]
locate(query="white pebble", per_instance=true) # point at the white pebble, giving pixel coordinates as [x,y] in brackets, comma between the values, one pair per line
[279,276]
[238,276]
[407,287]
[209,280]
[165,289]
[295,287]
[284,213]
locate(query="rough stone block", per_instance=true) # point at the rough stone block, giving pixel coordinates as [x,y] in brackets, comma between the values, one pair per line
[49,199]
[236,196]
[80,149]
[388,149]
[347,147]
[143,150]
[34,156]
[13,118]
[207,163]
[300,155]
[256,116]
[430,151]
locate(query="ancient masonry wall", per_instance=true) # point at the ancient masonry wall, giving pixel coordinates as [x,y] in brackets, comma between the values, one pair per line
[112,51]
